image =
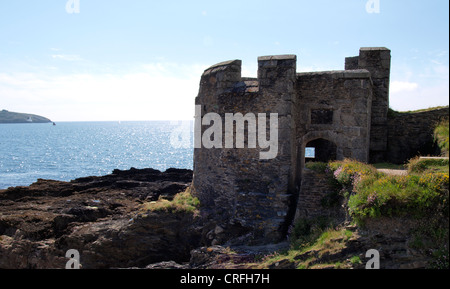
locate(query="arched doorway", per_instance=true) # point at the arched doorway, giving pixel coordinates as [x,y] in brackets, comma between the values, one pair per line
[320,150]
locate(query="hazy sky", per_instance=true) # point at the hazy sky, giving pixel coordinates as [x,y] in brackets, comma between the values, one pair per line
[142,59]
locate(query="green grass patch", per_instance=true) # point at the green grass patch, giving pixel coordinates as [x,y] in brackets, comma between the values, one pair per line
[432,165]
[408,195]
[355,260]
[182,202]
[311,239]
[441,136]
[374,194]
[392,112]
[422,195]
[307,231]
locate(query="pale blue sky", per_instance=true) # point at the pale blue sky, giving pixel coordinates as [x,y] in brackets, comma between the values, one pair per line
[142,60]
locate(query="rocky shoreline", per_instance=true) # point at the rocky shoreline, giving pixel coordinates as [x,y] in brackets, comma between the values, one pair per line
[104,219]
[98,216]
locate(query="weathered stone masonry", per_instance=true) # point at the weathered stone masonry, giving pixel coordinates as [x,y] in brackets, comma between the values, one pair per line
[411,134]
[377,61]
[341,113]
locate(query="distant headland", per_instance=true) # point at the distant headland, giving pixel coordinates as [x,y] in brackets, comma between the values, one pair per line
[16,117]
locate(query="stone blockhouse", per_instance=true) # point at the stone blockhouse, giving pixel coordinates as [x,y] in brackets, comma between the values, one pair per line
[342,114]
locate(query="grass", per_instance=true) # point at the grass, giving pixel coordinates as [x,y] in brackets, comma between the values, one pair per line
[424,166]
[182,202]
[441,136]
[373,194]
[316,244]
[306,231]
[392,112]
[389,166]
[422,194]
[410,195]
[355,260]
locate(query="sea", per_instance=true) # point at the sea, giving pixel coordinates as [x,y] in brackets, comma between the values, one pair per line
[69,150]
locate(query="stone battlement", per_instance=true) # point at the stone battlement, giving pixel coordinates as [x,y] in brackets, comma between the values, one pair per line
[341,114]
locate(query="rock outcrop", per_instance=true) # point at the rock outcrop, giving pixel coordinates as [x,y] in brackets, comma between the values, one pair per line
[101,217]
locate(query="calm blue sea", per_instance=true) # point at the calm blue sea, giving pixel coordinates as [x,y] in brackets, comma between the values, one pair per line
[70,150]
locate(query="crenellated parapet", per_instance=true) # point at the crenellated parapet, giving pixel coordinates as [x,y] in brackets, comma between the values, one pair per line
[251,135]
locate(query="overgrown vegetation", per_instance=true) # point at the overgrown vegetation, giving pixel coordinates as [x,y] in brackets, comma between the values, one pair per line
[441,136]
[372,194]
[415,196]
[423,194]
[306,231]
[182,202]
[315,244]
[419,165]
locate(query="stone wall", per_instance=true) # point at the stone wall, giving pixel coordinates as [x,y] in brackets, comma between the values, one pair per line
[254,199]
[312,203]
[411,134]
[241,194]
[347,95]
[377,60]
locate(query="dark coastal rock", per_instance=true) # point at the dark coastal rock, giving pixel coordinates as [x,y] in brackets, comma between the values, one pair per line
[134,242]
[101,217]
[218,257]
[167,265]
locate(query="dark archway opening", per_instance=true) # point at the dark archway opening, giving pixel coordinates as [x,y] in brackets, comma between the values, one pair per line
[320,150]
